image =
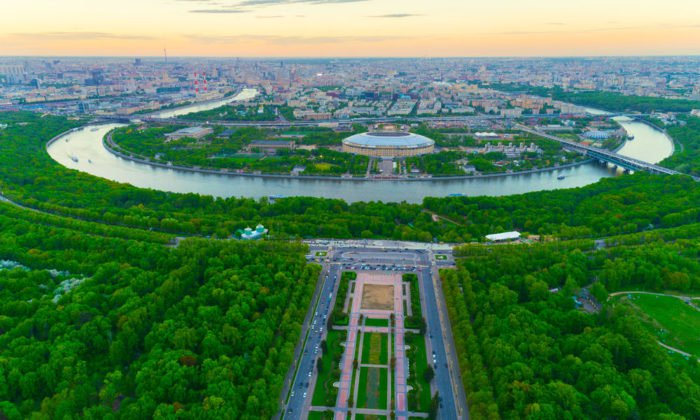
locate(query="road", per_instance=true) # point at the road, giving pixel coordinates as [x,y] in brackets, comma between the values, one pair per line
[606,155]
[383,256]
[641,292]
[303,383]
[447,377]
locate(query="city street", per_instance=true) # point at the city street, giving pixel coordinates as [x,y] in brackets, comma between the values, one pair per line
[305,378]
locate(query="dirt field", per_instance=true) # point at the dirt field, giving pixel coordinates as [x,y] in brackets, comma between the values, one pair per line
[375,296]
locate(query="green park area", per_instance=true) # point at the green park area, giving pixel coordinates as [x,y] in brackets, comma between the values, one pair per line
[369,417]
[325,393]
[321,253]
[338,316]
[376,322]
[375,349]
[321,415]
[675,322]
[416,319]
[419,397]
[440,257]
[372,388]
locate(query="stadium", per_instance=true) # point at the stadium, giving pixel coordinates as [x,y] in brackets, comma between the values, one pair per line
[388,142]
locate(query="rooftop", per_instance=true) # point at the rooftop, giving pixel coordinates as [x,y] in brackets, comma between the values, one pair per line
[505,236]
[389,139]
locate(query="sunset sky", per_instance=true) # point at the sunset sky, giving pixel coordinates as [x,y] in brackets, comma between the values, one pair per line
[349,27]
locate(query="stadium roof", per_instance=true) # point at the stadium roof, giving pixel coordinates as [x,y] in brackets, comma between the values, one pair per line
[383,139]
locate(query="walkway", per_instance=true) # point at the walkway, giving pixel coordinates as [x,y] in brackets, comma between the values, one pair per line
[355,342]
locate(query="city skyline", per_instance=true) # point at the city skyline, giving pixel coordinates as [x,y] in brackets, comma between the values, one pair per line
[349,28]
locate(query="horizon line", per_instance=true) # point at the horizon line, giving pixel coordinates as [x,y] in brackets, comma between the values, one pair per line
[357,56]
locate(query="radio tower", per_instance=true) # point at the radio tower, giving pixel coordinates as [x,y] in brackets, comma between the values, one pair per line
[196,84]
[204,82]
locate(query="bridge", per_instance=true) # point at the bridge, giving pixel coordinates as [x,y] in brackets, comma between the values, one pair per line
[603,155]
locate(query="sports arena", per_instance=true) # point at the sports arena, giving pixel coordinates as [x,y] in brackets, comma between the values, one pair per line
[388,142]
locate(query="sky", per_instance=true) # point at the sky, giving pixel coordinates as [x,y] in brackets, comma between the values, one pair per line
[349,28]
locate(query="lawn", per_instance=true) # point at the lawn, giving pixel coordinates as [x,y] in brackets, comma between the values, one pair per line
[416,320]
[672,320]
[372,388]
[369,417]
[320,415]
[375,349]
[338,317]
[419,397]
[321,253]
[440,257]
[376,322]
[325,393]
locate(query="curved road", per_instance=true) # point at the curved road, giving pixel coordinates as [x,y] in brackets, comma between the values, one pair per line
[642,292]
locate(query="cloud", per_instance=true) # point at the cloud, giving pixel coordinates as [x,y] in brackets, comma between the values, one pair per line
[560,32]
[244,6]
[78,36]
[219,11]
[291,40]
[395,15]
[248,3]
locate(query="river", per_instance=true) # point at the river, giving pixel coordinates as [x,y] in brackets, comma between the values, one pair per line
[83,150]
[204,106]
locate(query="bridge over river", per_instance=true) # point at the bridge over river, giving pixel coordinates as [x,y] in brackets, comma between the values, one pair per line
[603,155]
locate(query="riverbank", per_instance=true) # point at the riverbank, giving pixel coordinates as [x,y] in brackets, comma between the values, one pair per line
[110,146]
[201,106]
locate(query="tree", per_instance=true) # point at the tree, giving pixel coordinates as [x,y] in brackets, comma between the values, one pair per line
[428,374]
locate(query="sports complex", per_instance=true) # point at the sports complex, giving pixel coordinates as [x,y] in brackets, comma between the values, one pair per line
[388,142]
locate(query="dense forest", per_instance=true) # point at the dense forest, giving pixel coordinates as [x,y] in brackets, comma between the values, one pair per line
[526,351]
[686,159]
[100,325]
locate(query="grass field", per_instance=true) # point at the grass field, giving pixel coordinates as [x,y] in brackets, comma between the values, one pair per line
[320,415]
[321,253]
[325,393]
[416,319]
[369,417]
[372,388]
[672,320]
[375,349]
[338,317]
[418,361]
[440,257]
[376,322]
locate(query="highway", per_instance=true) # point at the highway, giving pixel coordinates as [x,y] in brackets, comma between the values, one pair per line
[436,344]
[303,383]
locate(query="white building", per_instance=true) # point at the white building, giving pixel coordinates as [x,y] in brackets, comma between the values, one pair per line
[502,237]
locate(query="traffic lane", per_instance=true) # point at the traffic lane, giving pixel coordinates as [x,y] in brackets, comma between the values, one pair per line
[438,349]
[305,377]
[442,374]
